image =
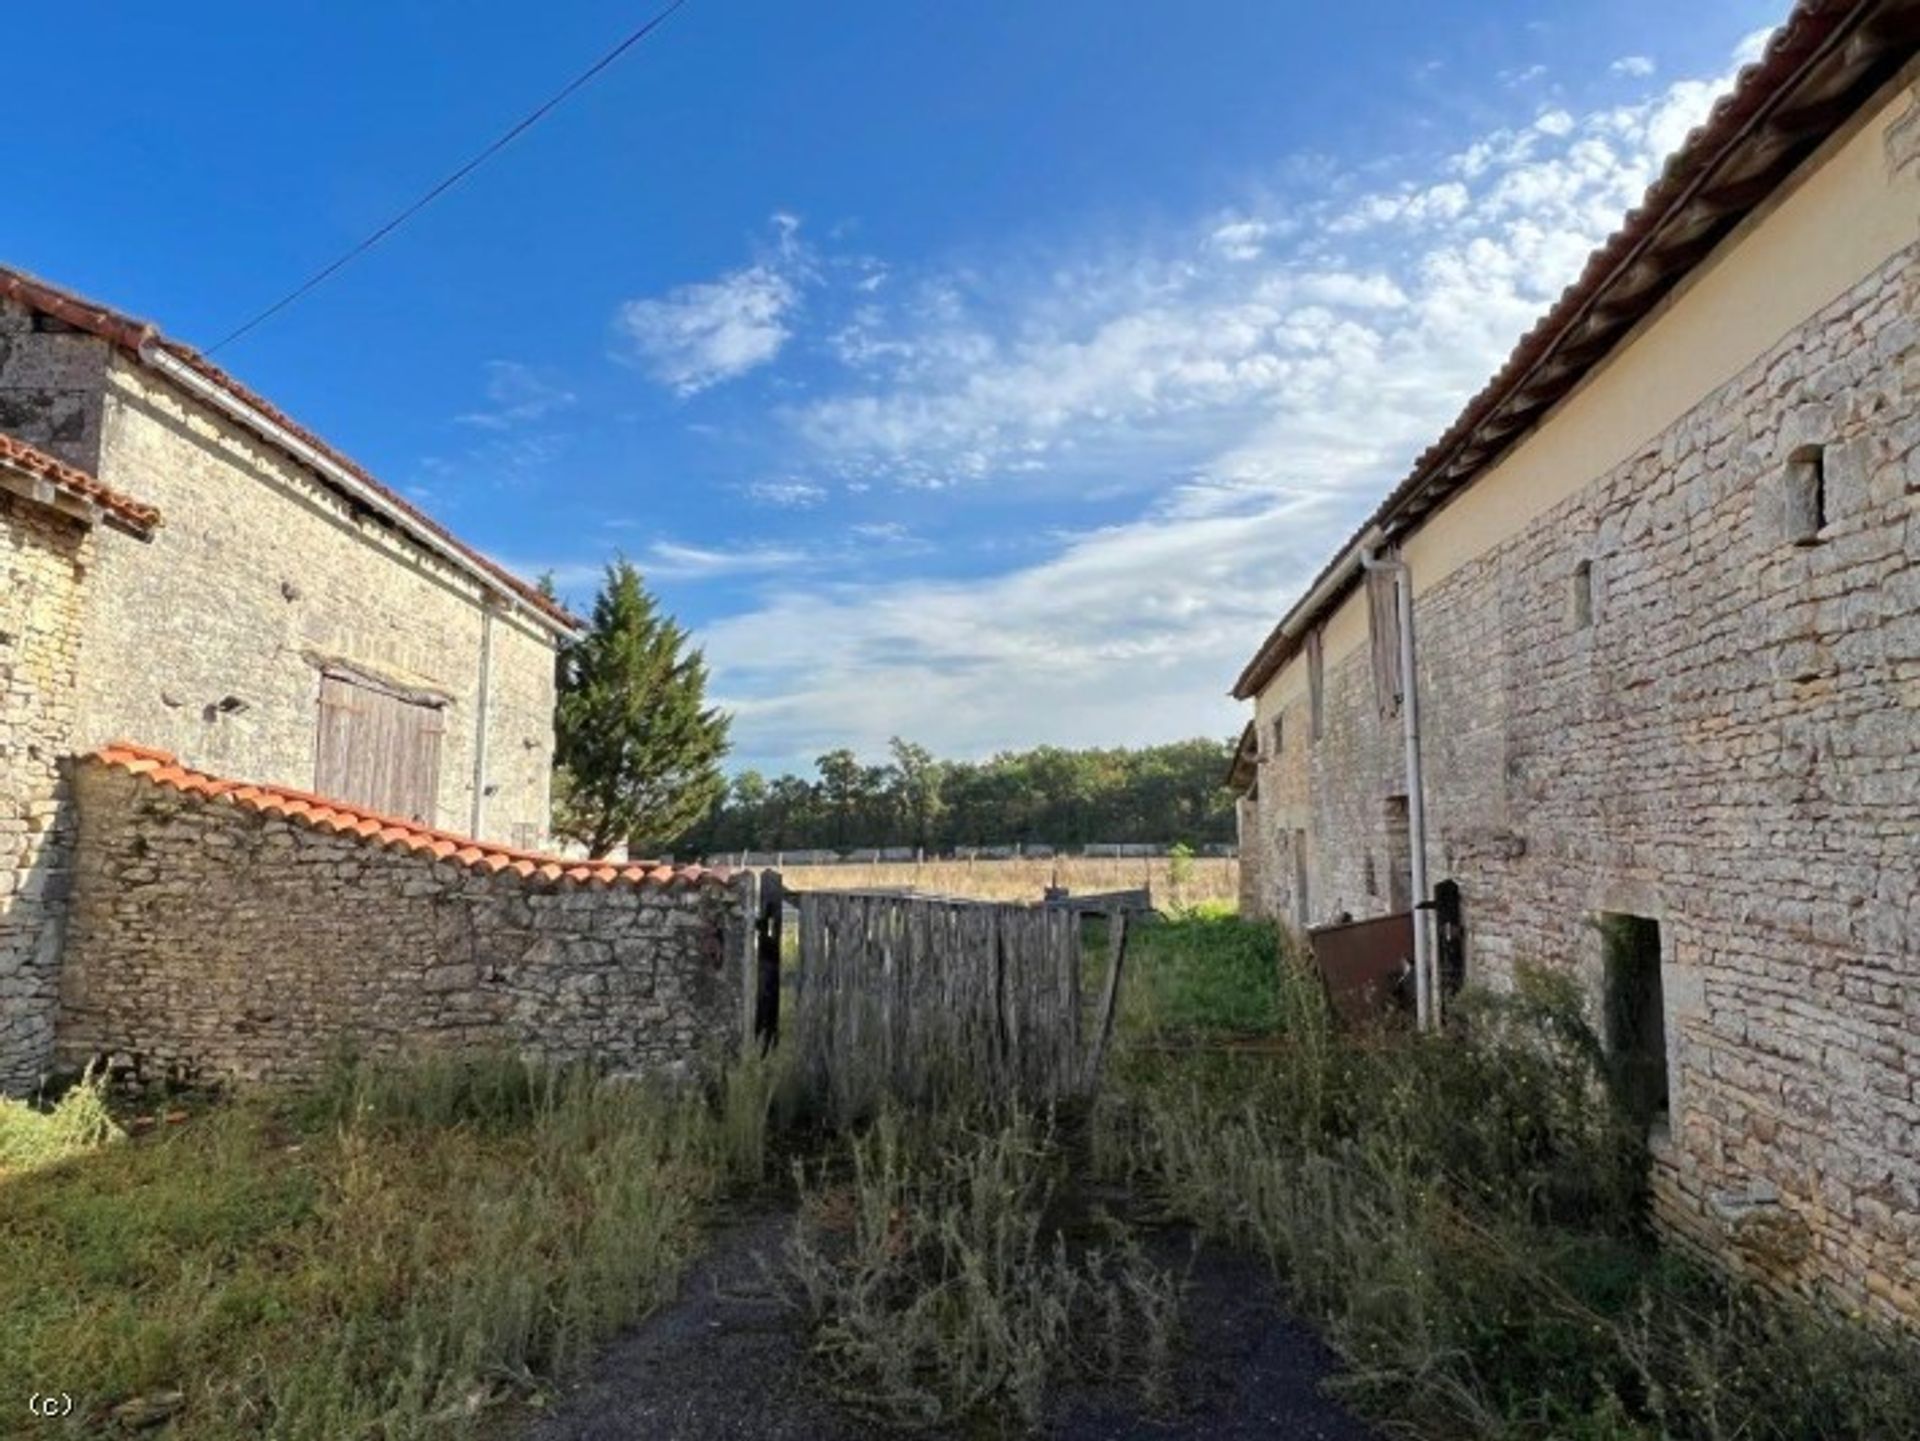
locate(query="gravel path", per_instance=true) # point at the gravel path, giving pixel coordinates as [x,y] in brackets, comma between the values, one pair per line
[727,1362]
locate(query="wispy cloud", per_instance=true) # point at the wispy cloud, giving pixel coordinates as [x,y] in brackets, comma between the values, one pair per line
[701,334]
[516,395]
[674,560]
[1257,379]
[787,494]
[1636,67]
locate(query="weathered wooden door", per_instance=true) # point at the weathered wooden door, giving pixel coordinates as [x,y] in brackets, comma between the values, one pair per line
[378,749]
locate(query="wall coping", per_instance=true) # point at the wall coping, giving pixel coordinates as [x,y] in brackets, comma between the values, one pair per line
[321,813]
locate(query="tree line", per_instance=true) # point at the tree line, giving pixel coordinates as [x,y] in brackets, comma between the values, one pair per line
[1051,795]
[638,753]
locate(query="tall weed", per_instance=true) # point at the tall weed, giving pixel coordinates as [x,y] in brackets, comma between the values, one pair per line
[1464,1216]
[941,1282]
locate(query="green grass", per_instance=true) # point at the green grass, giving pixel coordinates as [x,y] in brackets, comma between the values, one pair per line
[1464,1218]
[1196,973]
[33,1136]
[392,1255]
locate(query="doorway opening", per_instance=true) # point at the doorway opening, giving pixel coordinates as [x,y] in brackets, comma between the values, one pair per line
[1635,1018]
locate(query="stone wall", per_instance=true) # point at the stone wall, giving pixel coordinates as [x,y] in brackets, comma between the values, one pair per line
[52,379]
[43,563]
[210,641]
[209,940]
[1730,746]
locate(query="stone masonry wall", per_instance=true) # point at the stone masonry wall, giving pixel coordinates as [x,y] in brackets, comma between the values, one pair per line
[43,563]
[1731,747]
[51,383]
[210,941]
[262,575]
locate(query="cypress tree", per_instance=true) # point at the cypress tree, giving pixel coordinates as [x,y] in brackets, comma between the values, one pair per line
[637,750]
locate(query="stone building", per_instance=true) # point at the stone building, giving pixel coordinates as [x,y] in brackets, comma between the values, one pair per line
[188,567]
[1665,580]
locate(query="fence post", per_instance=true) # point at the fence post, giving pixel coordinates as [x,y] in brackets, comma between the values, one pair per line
[1116,959]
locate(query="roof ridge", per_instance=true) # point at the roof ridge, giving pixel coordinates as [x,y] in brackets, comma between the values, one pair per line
[134,335]
[317,812]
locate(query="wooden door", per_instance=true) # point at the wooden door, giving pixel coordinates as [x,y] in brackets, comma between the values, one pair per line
[378,749]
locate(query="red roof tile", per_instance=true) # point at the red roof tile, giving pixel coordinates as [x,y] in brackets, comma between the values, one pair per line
[163,768]
[133,515]
[132,334]
[1819,66]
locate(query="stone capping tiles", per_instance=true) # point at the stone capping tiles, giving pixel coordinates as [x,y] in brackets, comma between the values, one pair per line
[163,769]
[131,515]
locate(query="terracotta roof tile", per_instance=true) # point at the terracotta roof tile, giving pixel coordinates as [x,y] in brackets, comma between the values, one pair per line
[162,768]
[132,335]
[1821,63]
[69,480]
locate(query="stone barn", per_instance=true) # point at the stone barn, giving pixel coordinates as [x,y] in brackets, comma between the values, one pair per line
[1664,582]
[188,568]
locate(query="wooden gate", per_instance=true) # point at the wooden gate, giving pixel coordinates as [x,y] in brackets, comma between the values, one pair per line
[923,999]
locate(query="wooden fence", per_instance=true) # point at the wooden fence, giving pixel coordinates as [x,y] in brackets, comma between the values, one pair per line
[921,999]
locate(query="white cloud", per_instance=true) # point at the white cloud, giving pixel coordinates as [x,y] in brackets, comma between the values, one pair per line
[699,335]
[516,395]
[1752,46]
[787,494]
[1256,381]
[1635,66]
[1241,239]
[673,560]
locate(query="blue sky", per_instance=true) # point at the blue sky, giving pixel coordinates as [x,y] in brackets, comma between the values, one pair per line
[990,373]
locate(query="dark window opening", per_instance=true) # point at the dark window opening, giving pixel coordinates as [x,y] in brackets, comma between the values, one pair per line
[1450,933]
[1399,855]
[1300,877]
[1279,733]
[1806,495]
[1636,1027]
[1582,597]
[1316,680]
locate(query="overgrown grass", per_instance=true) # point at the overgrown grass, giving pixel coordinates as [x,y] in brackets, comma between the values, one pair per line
[948,1273]
[1464,1218]
[34,1136]
[1195,972]
[388,1256]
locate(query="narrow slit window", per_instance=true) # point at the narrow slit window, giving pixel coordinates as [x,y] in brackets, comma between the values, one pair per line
[1806,495]
[1316,684]
[1580,607]
[1636,1026]
[1279,733]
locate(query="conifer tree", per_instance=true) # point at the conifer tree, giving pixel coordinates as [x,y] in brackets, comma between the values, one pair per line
[637,749]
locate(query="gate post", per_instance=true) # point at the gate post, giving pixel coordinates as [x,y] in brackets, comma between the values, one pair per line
[768,925]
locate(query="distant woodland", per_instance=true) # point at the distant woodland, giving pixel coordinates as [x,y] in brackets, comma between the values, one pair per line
[1161,794]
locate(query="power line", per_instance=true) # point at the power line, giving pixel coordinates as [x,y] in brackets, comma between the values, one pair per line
[526,123]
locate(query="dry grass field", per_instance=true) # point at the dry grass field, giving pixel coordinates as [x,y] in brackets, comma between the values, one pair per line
[1205,878]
